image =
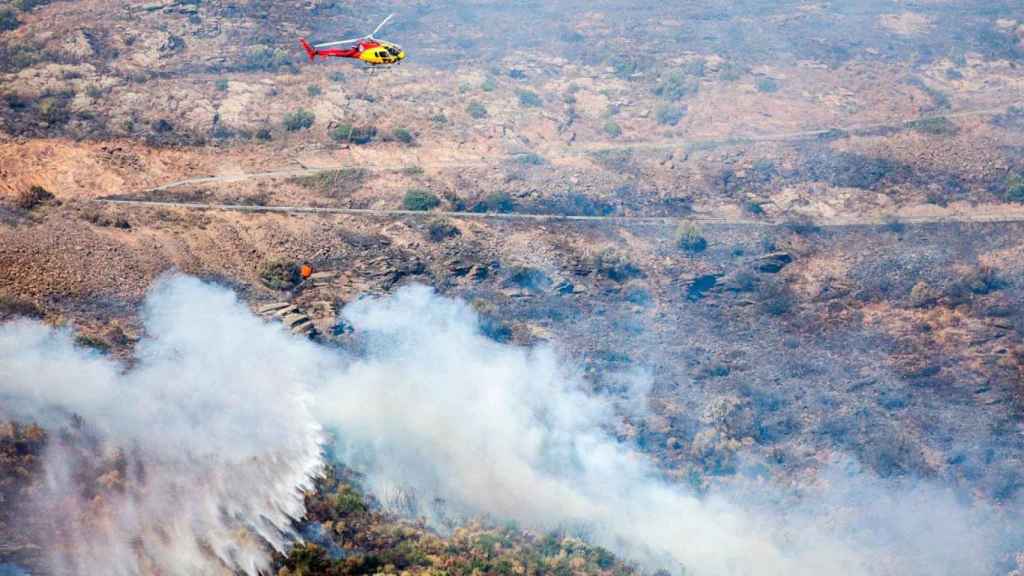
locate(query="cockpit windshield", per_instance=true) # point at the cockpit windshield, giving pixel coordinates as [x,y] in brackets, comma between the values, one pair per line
[394,50]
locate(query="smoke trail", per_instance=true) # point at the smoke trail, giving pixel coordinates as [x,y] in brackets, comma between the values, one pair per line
[437,409]
[208,437]
[217,427]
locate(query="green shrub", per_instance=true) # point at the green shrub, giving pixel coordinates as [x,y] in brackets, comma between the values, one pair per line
[348,502]
[619,160]
[730,72]
[501,202]
[529,99]
[92,342]
[675,87]
[403,135]
[420,200]
[336,77]
[334,182]
[267,59]
[441,230]
[353,134]
[689,238]
[935,126]
[18,307]
[489,85]
[313,90]
[476,110]
[669,115]
[776,298]
[221,85]
[26,5]
[300,119]
[623,66]
[615,266]
[530,159]
[264,134]
[767,84]
[1015,189]
[53,110]
[280,275]
[414,170]
[8,19]
[611,128]
[441,119]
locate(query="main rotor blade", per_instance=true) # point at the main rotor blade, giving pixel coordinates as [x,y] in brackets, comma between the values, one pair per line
[340,42]
[381,25]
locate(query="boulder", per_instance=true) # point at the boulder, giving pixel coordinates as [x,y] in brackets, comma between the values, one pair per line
[290,309]
[303,327]
[774,262]
[271,308]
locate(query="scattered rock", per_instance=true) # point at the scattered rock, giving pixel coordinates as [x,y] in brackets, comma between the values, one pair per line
[773,263]
[271,308]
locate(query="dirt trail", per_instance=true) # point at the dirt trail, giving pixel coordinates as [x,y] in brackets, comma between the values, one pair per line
[992,214]
[998,214]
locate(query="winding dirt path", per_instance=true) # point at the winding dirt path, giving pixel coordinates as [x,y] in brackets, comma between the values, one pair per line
[991,215]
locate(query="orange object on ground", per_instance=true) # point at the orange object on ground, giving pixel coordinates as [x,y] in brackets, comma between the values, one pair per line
[306,271]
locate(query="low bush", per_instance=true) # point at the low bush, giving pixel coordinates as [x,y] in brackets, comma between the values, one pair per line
[489,84]
[501,202]
[334,183]
[93,343]
[676,86]
[476,110]
[775,298]
[280,275]
[347,133]
[669,115]
[689,238]
[267,59]
[11,307]
[403,135]
[8,20]
[1015,189]
[420,200]
[619,161]
[616,266]
[33,197]
[612,129]
[528,278]
[941,126]
[300,119]
[529,99]
[623,66]
[221,85]
[313,90]
[529,159]
[54,109]
[767,85]
[440,231]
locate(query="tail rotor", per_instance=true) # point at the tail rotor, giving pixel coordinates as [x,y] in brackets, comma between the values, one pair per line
[312,52]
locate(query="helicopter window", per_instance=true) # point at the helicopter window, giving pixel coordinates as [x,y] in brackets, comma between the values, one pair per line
[393,51]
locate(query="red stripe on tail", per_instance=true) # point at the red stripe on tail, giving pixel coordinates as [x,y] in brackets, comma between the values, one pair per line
[309,49]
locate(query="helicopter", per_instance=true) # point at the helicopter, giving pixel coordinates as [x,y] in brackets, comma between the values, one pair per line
[366,48]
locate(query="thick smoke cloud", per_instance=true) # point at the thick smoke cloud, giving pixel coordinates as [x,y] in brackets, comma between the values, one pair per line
[221,420]
[209,432]
[437,410]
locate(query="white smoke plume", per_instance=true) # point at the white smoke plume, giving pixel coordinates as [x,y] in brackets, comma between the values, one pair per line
[224,413]
[211,431]
[438,410]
